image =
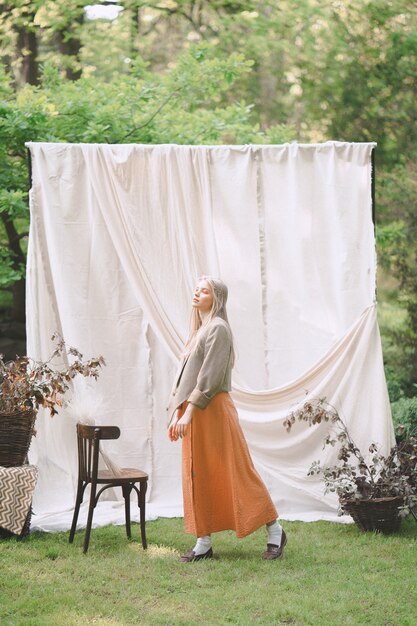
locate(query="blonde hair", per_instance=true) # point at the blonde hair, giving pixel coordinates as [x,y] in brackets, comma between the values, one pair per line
[220,292]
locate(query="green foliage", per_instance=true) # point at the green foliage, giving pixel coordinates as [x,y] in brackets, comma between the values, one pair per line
[391,239]
[362,82]
[395,383]
[396,239]
[13,202]
[8,272]
[404,415]
[182,106]
[113,36]
[342,70]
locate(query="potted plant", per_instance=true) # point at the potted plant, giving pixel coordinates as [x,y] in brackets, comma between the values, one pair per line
[377,492]
[26,385]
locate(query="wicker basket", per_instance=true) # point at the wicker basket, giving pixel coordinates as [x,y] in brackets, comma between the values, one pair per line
[16,432]
[377,514]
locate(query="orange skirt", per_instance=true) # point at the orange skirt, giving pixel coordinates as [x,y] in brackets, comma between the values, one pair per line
[221,488]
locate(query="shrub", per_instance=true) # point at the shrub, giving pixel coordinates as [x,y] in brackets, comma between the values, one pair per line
[404,415]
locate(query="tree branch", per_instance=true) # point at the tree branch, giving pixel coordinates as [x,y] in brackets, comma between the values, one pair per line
[161,106]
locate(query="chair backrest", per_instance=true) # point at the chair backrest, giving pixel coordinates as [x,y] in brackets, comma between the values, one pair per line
[88,438]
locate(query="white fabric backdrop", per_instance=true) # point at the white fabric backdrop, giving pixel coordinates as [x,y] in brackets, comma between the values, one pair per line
[119,234]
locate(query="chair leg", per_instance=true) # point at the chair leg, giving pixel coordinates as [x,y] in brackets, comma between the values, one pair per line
[90,517]
[126,494]
[79,499]
[142,503]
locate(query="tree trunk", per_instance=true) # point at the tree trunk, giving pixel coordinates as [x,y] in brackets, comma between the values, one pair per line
[27,51]
[18,288]
[19,301]
[69,45]
[134,28]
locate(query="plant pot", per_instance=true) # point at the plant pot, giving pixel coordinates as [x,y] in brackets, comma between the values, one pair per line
[16,431]
[375,514]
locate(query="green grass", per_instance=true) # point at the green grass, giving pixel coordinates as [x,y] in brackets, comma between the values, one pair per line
[331,574]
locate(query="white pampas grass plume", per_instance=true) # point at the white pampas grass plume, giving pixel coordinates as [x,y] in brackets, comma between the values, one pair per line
[84,406]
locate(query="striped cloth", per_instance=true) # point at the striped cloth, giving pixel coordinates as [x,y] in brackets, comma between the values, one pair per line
[17,485]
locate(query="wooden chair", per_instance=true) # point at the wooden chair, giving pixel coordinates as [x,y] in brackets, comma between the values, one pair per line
[89,438]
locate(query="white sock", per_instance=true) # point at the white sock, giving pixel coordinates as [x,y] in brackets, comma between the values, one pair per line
[203,544]
[274,531]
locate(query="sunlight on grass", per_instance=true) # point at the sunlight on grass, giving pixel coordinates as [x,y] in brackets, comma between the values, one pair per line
[89,621]
[99,621]
[155,551]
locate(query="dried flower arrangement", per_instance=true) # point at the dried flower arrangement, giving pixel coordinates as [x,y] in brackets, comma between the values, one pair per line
[353,478]
[28,384]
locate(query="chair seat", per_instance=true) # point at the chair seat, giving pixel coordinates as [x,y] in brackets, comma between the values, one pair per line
[127,474]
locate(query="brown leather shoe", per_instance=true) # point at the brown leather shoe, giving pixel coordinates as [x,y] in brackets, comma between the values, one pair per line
[191,556]
[273,551]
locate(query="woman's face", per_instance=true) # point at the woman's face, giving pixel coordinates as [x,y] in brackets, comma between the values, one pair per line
[203,297]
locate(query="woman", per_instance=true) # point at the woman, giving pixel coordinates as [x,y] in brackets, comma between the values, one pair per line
[221,488]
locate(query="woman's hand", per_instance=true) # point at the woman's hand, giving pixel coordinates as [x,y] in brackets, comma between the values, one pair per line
[171,431]
[181,426]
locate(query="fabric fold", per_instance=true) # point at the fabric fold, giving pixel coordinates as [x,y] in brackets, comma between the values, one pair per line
[119,234]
